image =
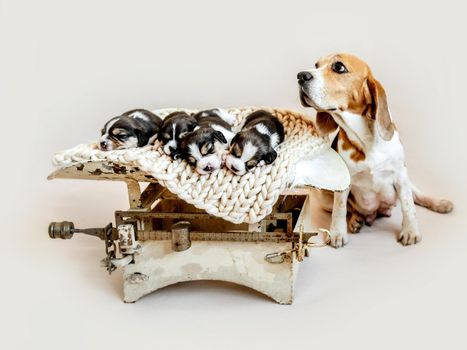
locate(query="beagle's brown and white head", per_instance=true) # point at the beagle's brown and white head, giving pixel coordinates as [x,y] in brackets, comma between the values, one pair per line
[344,83]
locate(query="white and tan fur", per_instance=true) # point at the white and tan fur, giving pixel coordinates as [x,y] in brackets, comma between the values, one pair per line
[349,99]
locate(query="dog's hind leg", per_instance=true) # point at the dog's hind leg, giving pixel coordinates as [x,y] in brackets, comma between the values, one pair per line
[438,205]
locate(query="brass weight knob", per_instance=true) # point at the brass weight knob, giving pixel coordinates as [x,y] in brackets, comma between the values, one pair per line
[181,236]
[63,230]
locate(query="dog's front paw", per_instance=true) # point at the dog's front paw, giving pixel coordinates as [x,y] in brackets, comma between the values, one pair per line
[338,240]
[408,237]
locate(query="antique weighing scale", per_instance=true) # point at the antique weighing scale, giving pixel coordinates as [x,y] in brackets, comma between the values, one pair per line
[166,236]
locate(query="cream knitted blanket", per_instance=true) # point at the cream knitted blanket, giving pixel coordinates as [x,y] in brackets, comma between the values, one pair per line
[248,198]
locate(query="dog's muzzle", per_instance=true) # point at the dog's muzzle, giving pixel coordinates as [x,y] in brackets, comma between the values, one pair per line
[304,78]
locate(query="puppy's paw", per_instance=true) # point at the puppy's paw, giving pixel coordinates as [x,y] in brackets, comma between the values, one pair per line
[408,237]
[338,240]
[355,223]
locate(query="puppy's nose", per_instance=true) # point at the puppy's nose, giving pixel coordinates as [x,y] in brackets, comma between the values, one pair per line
[173,152]
[103,145]
[304,76]
[208,168]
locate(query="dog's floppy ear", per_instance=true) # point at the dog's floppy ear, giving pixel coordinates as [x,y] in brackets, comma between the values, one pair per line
[325,123]
[380,110]
[143,138]
[270,156]
[219,136]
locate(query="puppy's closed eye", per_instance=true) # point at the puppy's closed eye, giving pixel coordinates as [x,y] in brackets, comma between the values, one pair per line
[120,133]
[166,136]
[236,151]
[206,148]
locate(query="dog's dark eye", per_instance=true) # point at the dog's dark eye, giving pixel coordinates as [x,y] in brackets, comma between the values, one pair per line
[339,68]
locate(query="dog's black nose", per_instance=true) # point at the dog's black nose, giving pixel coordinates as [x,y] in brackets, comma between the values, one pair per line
[208,168]
[103,145]
[173,152]
[304,76]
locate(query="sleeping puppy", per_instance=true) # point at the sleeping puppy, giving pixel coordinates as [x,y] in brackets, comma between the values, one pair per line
[175,126]
[349,99]
[205,146]
[135,128]
[255,144]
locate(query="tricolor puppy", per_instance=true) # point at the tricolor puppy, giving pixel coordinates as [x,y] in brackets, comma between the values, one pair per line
[135,128]
[205,147]
[255,143]
[175,126]
[349,99]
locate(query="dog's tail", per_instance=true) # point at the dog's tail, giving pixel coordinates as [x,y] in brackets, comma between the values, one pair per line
[435,204]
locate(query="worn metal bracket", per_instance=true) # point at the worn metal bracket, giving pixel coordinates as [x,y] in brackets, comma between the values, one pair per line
[300,248]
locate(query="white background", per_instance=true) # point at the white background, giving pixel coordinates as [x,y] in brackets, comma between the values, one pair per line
[68,66]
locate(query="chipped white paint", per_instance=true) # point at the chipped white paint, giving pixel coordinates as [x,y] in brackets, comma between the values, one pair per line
[243,263]
[237,262]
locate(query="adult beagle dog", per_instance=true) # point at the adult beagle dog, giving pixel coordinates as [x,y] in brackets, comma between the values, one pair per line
[349,99]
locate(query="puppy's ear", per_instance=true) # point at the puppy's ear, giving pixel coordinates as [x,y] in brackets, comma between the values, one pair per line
[325,123]
[219,136]
[234,139]
[270,156]
[142,137]
[380,110]
[192,124]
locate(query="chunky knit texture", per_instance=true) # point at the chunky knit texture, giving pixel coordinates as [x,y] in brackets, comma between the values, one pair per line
[248,198]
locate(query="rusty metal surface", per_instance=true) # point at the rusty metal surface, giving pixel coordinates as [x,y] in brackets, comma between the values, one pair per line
[243,236]
[102,170]
[153,192]
[120,215]
[181,238]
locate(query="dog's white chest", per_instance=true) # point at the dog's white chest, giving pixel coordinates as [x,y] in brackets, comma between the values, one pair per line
[374,177]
